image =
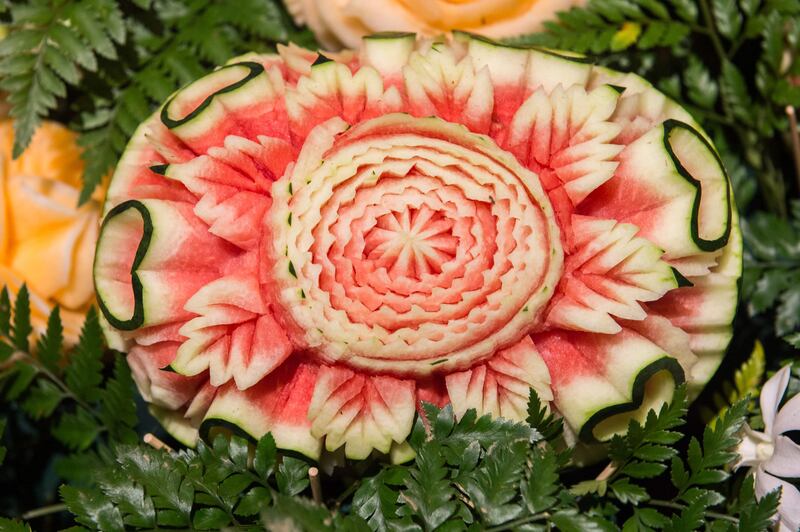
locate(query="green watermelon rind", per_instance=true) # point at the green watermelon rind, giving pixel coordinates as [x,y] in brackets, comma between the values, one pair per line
[560,54]
[709,361]
[137,318]
[669,126]
[255,70]
[212,423]
[175,425]
[391,35]
[668,363]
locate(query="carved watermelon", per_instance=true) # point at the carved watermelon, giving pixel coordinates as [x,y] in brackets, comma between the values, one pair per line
[312,245]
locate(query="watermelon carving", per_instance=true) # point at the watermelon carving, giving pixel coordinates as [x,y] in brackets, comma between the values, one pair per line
[313,244]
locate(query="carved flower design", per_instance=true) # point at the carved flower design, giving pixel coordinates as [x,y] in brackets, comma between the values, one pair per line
[313,245]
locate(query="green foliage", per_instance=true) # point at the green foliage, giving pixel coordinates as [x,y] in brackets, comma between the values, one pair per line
[755,515]
[429,494]
[542,420]
[126,60]
[650,443]
[648,451]
[518,482]
[502,480]
[12,525]
[48,349]
[66,387]
[458,435]
[297,514]
[292,476]
[705,461]
[84,374]
[376,499]
[611,27]
[746,383]
[50,44]
[471,473]
[772,268]
[207,489]
[22,320]
[2,448]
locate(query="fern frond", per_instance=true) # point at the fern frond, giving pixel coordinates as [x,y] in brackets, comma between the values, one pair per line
[48,48]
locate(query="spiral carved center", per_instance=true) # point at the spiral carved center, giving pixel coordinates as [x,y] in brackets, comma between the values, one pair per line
[410,252]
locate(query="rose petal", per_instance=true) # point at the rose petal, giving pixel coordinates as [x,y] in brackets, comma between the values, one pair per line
[771,395]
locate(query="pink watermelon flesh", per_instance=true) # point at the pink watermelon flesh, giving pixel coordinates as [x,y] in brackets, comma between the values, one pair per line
[312,249]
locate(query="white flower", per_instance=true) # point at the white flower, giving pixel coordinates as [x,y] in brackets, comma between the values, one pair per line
[770,454]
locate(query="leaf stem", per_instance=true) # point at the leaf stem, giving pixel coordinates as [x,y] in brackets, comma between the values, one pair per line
[608,472]
[346,493]
[708,114]
[712,33]
[153,441]
[699,29]
[678,506]
[517,522]
[795,137]
[316,486]
[736,45]
[463,495]
[44,510]
[41,368]
[774,264]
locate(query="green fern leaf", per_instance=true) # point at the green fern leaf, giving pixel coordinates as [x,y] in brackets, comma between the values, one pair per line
[493,485]
[541,419]
[84,374]
[91,508]
[77,430]
[12,525]
[22,320]
[755,514]
[70,43]
[91,28]
[376,499]
[686,9]
[117,406]
[296,513]
[542,484]
[61,65]
[735,96]
[727,18]
[21,42]
[428,494]
[22,375]
[2,448]
[5,312]
[51,343]
[42,399]
[749,376]
[292,475]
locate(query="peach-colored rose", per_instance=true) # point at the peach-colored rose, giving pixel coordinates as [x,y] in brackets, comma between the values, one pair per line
[46,240]
[343,22]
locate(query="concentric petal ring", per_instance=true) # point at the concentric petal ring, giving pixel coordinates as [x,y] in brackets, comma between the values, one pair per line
[403,308]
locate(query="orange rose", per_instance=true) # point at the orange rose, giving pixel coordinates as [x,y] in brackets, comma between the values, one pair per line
[46,241]
[344,22]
